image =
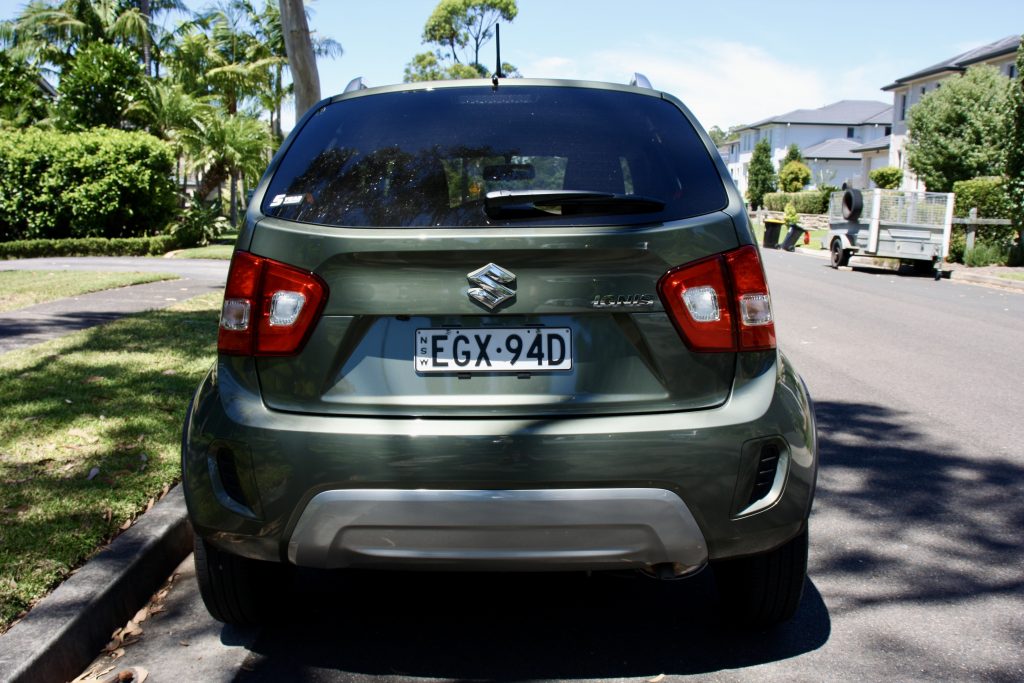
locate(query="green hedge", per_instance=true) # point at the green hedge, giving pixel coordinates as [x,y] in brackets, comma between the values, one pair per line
[99,183]
[988,194]
[89,246]
[805,202]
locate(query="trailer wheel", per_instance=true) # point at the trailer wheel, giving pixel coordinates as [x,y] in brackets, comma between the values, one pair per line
[853,204]
[839,256]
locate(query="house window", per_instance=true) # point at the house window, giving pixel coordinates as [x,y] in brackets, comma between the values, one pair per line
[1011,70]
[923,90]
[903,107]
[888,130]
[850,131]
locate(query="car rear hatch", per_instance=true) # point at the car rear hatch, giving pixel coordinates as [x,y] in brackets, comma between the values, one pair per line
[494,267]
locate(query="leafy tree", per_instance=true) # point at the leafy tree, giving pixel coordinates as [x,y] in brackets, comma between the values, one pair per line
[957,131]
[21,100]
[1015,154]
[458,29]
[794,175]
[460,24]
[99,88]
[793,154]
[887,177]
[717,135]
[761,175]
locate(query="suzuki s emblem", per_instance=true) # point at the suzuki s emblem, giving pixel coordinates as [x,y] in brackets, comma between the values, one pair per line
[491,289]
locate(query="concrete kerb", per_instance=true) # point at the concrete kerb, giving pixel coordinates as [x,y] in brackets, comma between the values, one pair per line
[64,632]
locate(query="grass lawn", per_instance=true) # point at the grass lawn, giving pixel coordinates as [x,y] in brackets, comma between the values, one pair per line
[21,288]
[90,432]
[213,251]
[1012,276]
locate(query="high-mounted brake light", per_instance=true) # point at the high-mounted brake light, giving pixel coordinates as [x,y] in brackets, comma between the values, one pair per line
[269,307]
[721,303]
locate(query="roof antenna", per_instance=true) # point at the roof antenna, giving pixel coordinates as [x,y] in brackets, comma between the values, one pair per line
[497,49]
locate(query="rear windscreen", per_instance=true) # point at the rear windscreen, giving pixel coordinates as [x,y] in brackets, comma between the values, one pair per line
[430,157]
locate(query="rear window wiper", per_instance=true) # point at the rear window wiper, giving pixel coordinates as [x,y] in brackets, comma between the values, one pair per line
[526,203]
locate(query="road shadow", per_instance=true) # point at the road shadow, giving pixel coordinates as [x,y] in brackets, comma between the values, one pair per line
[934,522]
[516,627]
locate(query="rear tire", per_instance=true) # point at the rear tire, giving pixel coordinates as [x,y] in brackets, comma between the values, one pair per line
[763,590]
[238,590]
[839,256]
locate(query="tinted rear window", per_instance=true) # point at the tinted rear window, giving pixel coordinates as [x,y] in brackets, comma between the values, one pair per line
[428,157]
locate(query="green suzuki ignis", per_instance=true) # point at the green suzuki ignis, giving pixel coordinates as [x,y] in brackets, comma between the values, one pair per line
[499,325]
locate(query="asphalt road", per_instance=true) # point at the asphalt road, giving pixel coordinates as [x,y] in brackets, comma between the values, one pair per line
[916,568]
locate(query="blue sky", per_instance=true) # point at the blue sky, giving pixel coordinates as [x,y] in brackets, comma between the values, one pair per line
[731,62]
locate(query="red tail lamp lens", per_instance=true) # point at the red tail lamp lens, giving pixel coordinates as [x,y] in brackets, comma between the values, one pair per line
[269,307]
[721,303]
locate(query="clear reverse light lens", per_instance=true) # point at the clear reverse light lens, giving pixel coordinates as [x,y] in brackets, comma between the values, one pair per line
[756,309]
[234,315]
[285,308]
[702,303]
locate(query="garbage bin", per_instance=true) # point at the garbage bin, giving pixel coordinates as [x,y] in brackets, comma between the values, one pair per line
[772,228]
[794,234]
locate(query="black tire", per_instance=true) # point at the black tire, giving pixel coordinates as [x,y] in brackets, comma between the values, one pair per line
[839,257]
[763,590]
[853,204]
[238,590]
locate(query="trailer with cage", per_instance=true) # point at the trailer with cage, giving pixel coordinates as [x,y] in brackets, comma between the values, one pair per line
[913,227]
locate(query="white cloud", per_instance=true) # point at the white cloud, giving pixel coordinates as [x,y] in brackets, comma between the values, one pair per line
[724,83]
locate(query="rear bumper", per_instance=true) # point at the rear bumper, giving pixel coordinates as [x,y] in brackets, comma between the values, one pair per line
[278,486]
[525,529]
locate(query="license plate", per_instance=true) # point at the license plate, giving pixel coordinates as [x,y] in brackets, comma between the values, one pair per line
[489,349]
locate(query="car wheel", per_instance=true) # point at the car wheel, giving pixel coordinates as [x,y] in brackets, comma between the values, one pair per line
[763,590]
[238,590]
[840,256]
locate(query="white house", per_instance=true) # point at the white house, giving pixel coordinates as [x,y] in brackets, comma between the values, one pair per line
[826,137]
[908,91]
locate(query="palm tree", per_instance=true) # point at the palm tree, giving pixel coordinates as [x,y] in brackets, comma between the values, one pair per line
[225,147]
[49,33]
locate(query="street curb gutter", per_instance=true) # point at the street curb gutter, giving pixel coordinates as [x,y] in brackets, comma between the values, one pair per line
[64,632]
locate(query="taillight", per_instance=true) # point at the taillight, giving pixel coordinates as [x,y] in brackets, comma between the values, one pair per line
[269,307]
[721,303]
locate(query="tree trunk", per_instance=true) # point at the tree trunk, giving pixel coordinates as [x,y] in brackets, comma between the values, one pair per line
[211,181]
[233,198]
[146,56]
[301,59]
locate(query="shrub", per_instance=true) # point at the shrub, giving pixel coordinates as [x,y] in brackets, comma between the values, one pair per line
[988,195]
[790,215]
[805,202]
[793,176]
[198,225]
[887,177]
[826,196]
[793,154]
[99,183]
[986,255]
[88,246]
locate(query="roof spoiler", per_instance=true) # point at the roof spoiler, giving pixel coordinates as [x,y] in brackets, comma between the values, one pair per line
[640,81]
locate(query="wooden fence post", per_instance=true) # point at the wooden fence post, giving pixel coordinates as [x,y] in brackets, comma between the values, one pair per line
[972,217]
